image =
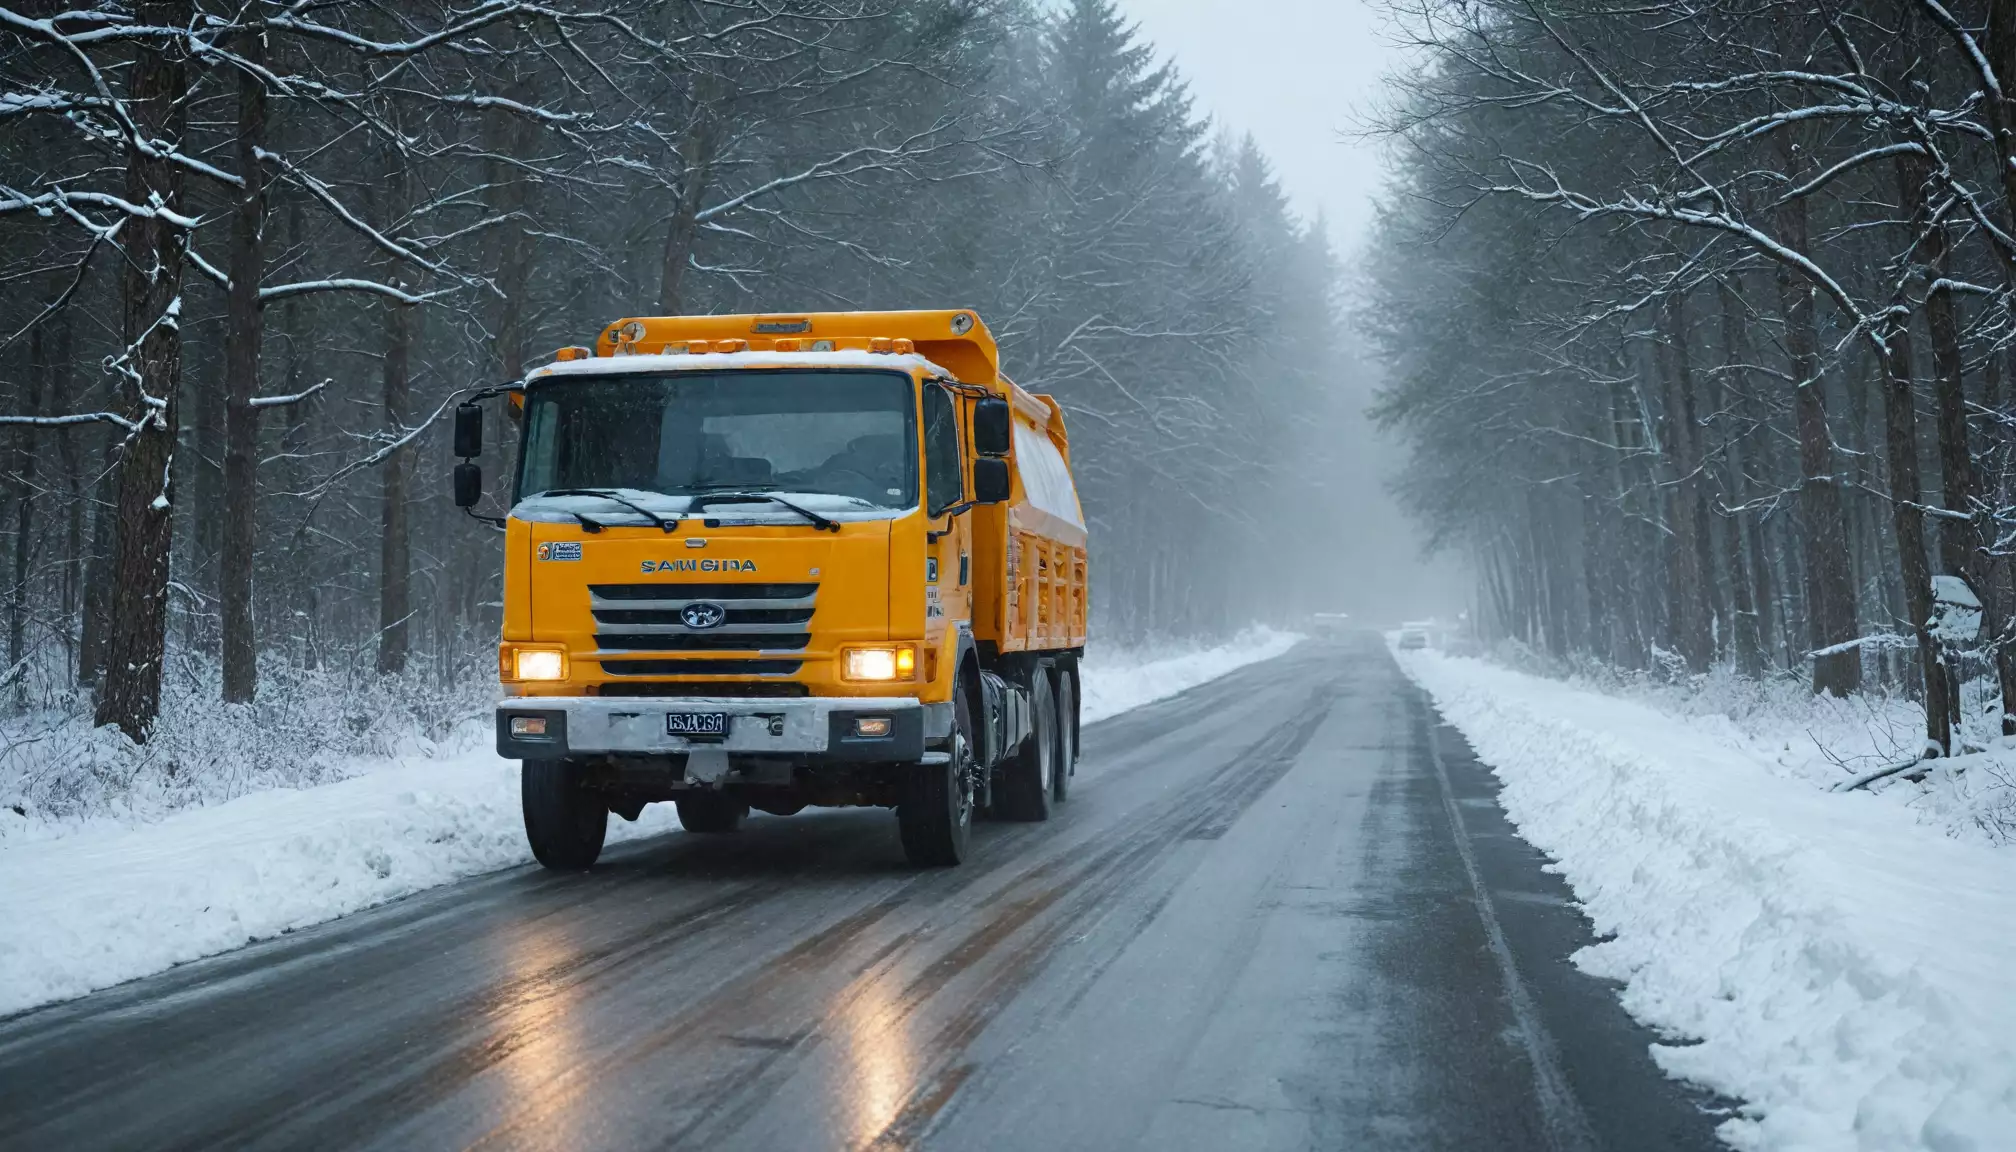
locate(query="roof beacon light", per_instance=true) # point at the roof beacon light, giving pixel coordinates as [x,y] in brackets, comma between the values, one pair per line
[675,349]
[575,353]
[787,344]
[627,336]
[903,347]
[731,346]
[880,343]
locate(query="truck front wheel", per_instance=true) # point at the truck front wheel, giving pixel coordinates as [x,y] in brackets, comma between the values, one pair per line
[564,820]
[1027,778]
[935,814]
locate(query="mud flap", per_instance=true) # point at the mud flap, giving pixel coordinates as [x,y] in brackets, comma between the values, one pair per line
[706,765]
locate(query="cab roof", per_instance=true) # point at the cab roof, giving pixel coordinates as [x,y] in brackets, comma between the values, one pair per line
[715,361]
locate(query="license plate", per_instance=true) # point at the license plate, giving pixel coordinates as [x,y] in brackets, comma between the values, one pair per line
[697,724]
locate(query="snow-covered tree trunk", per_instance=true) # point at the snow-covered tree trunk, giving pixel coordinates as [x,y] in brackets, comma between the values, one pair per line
[150,368]
[1830,590]
[243,336]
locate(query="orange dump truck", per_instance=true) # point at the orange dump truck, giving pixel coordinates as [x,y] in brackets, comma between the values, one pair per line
[776,561]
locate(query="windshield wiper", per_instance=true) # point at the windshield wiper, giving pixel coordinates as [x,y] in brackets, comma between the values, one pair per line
[704,499]
[613,498]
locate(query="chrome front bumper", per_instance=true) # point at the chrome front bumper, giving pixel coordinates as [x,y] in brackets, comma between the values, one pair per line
[811,728]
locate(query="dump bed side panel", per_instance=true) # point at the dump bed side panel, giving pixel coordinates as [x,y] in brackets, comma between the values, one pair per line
[1034,594]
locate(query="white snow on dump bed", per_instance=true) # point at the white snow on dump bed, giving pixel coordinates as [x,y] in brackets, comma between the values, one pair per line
[108,904]
[1831,959]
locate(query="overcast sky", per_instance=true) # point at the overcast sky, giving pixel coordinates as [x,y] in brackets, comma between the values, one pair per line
[1293,73]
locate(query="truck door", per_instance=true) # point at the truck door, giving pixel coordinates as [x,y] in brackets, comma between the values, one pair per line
[948,557]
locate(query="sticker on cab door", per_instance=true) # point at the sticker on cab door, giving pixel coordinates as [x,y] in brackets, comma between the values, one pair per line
[560,550]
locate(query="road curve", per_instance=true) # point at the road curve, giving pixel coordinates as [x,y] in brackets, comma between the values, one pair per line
[1280,911]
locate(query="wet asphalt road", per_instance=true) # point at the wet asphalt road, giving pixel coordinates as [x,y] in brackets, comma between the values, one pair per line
[1281,911]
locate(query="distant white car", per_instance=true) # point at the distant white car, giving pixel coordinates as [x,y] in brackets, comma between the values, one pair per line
[1413,636]
[1329,623]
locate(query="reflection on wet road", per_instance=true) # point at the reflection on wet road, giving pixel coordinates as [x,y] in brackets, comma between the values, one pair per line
[1251,927]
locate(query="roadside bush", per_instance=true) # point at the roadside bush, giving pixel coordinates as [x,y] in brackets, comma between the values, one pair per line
[307,727]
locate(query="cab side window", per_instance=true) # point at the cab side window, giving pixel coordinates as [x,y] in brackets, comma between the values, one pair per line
[941,451]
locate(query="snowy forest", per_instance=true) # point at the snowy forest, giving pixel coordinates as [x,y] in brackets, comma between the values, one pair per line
[251,253]
[1700,329]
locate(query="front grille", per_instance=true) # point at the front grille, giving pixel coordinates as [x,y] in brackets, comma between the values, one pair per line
[735,616]
[700,667]
[702,641]
[648,617]
[666,590]
[762,689]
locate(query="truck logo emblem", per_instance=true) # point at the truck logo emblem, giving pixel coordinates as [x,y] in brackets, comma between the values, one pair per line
[702,614]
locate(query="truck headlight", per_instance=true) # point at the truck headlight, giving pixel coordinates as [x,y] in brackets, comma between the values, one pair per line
[886,663]
[536,664]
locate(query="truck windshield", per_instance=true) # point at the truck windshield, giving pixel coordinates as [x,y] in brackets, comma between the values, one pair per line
[840,433]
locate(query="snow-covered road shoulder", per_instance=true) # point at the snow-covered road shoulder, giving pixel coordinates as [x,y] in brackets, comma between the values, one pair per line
[1838,964]
[85,908]
[111,904]
[1116,681]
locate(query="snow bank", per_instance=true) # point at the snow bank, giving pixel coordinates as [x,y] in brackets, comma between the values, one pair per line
[1841,965]
[1827,740]
[109,904]
[108,901]
[1119,679]
[60,774]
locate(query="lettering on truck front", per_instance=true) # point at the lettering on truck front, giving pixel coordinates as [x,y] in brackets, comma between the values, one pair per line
[699,566]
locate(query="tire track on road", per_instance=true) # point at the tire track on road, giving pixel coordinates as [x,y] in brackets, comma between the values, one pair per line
[725,1081]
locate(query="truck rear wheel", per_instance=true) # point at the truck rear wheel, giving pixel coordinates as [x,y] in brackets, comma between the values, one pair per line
[1067,736]
[1027,780]
[564,820]
[710,812]
[935,815]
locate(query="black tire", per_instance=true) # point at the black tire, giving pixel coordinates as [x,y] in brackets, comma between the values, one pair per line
[710,812]
[564,820]
[1024,789]
[935,815]
[1067,737]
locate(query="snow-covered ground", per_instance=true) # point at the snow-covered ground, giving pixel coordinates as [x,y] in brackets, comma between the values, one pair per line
[1123,678]
[1842,962]
[129,891]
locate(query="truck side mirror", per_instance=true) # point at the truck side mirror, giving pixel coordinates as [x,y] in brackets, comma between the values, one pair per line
[468,433]
[990,427]
[990,480]
[468,481]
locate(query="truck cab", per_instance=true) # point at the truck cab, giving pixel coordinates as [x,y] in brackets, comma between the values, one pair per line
[772,561]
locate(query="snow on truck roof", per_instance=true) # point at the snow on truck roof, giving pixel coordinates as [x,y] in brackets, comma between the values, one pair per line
[706,361]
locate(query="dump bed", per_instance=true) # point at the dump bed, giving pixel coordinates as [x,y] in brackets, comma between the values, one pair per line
[1030,591]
